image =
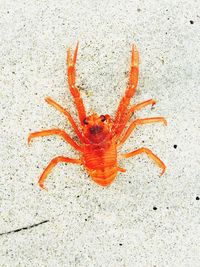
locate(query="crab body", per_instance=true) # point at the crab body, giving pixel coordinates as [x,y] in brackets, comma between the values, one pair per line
[100,162]
[100,136]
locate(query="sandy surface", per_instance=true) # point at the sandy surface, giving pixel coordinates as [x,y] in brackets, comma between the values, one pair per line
[141,219]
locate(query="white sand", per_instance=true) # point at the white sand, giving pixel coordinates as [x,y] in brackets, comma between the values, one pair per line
[89,225]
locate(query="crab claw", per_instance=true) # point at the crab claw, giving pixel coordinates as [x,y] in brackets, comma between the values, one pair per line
[71,66]
[71,62]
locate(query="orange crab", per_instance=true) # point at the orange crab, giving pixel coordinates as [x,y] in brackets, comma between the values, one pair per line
[100,136]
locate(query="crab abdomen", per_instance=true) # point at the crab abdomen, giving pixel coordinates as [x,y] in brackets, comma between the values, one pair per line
[101,162]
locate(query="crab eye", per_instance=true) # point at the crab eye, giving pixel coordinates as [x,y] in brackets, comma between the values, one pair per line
[103,118]
[85,121]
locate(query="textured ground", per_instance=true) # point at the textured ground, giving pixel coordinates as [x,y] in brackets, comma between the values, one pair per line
[141,219]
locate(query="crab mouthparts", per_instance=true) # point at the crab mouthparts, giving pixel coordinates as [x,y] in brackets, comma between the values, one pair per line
[95,129]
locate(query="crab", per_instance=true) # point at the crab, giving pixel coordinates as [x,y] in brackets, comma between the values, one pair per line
[100,136]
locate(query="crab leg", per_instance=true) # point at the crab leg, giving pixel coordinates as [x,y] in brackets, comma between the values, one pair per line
[62,133]
[50,166]
[140,106]
[130,112]
[139,122]
[71,81]
[130,91]
[67,114]
[150,154]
